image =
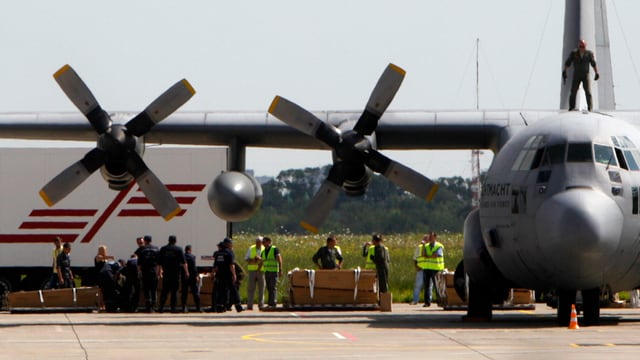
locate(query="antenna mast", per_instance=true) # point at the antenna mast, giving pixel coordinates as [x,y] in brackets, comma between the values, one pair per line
[476,186]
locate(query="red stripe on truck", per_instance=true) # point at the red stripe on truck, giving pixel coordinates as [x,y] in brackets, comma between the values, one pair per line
[35,238]
[63,212]
[144,213]
[105,215]
[143,200]
[53,225]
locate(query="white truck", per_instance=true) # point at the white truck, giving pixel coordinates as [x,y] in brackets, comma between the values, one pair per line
[94,215]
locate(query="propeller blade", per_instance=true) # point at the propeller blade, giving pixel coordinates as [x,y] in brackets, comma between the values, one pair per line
[320,206]
[324,199]
[161,107]
[80,95]
[158,194]
[403,176]
[301,119]
[70,178]
[380,98]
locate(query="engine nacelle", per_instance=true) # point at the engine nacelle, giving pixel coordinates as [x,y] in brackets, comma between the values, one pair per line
[116,182]
[357,181]
[234,196]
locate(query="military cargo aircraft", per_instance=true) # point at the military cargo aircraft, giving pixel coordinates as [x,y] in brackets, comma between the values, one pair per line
[560,203]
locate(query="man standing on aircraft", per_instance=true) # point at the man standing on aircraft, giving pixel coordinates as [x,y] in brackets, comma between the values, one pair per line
[253,258]
[432,255]
[329,256]
[272,268]
[580,58]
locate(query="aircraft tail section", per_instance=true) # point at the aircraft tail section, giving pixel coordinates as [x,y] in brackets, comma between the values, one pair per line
[587,19]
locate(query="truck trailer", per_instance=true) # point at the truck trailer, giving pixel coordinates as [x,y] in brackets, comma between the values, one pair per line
[94,215]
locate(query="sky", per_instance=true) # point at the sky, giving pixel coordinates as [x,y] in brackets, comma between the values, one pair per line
[323,55]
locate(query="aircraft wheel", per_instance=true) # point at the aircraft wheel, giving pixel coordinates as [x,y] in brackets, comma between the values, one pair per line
[480,306]
[591,306]
[565,299]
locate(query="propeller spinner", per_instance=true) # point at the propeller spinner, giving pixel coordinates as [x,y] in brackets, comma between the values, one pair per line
[354,152]
[117,149]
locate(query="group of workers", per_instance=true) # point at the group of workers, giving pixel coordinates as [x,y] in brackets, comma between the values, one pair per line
[122,282]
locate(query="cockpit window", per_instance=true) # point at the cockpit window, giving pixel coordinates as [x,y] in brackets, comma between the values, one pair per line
[529,156]
[631,159]
[626,152]
[553,154]
[579,152]
[604,154]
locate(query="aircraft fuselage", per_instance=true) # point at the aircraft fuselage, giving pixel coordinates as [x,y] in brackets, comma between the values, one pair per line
[560,204]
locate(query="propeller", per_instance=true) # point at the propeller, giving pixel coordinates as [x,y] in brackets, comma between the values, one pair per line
[117,146]
[354,152]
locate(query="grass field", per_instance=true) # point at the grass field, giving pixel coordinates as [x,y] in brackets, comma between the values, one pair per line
[297,252]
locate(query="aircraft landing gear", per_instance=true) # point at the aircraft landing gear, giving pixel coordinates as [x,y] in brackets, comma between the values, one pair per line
[591,306]
[565,299]
[480,303]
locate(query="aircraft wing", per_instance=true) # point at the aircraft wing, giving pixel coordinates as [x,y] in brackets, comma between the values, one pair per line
[397,130]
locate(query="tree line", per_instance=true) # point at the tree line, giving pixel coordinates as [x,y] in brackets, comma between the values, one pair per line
[384,208]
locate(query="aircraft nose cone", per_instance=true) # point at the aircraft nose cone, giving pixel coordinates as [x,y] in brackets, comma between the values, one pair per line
[578,231]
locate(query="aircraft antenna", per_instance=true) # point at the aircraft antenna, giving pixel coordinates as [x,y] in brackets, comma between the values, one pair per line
[476,186]
[477,74]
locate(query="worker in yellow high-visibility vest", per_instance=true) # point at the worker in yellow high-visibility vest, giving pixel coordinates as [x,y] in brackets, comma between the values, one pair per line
[418,262]
[256,276]
[367,253]
[431,261]
[272,268]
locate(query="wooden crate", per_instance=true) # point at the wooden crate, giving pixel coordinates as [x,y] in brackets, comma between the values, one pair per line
[386,299]
[522,297]
[302,296]
[78,298]
[334,279]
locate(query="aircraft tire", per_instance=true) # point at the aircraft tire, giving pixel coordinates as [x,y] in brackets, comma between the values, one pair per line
[591,306]
[480,306]
[565,299]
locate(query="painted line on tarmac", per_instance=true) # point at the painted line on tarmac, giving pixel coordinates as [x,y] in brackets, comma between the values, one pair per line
[345,336]
[296,337]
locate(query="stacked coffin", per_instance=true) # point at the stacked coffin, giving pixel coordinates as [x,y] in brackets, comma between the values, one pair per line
[333,287]
[75,299]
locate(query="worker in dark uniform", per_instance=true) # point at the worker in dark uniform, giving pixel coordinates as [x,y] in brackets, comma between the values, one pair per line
[148,272]
[131,287]
[135,279]
[63,262]
[580,58]
[381,260]
[171,261]
[190,280]
[225,273]
[328,257]
[215,287]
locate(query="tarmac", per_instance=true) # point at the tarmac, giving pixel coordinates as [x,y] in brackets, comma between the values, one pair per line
[407,332]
